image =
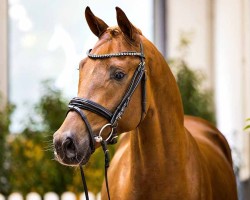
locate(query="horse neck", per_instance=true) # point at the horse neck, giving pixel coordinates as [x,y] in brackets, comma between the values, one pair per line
[160,138]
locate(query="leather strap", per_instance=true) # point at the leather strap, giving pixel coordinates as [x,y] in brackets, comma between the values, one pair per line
[84,183]
[106,165]
[91,106]
[84,118]
[127,97]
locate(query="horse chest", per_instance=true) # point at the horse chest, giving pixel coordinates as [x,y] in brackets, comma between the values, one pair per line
[126,183]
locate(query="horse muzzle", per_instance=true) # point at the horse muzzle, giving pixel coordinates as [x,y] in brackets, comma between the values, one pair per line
[68,150]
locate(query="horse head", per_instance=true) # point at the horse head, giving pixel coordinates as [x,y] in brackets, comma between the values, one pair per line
[110,80]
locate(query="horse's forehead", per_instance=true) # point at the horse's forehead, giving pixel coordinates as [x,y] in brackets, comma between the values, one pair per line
[111,40]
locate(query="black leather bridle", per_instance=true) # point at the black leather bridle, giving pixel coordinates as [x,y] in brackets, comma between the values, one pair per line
[78,104]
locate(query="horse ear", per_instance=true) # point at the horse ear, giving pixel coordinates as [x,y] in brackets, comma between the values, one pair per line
[125,25]
[96,25]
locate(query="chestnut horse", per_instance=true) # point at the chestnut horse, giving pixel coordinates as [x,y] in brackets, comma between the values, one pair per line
[165,155]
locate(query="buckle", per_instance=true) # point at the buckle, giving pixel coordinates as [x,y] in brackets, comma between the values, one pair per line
[99,138]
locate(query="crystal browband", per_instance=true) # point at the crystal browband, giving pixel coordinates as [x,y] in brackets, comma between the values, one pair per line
[126,53]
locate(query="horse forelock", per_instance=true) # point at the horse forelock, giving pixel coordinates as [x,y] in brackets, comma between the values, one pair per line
[114,30]
[116,34]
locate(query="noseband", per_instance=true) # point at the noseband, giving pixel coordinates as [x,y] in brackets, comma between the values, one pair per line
[78,104]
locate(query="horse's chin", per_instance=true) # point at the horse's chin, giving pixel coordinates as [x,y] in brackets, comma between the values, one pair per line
[79,159]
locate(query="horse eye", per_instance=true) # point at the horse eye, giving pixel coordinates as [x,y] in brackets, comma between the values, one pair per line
[119,76]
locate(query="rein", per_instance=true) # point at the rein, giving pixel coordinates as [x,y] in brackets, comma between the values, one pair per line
[78,104]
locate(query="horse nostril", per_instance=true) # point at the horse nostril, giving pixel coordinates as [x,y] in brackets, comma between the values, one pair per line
[69,148]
